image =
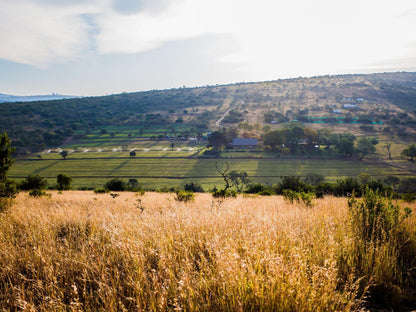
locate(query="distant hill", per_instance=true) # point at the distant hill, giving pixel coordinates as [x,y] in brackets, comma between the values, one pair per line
[383,102]
[31,98]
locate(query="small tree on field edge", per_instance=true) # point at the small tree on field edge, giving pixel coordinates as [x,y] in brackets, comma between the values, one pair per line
[64,181]
[64,154]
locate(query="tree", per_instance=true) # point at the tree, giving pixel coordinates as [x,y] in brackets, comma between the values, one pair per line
[239,179]
[225,192]
[365,178]
[116,185]
[274,139]
[314,178]
[387,147]
[33,182]
[366,146]
[217,140]
[346,146]
[64,181]
[6,152]
[392,180]
[133,184]
[193,187]
[64,154]
[7,188]
[409,152]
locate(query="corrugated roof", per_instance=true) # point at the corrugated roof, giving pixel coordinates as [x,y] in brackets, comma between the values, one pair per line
[244,141]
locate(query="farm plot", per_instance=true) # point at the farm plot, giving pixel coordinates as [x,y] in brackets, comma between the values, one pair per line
[156,172]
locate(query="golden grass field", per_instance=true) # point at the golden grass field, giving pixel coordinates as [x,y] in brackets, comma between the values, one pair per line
[79,251]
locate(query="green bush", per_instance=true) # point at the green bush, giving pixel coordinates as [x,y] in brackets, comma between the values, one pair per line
[409,197]
[33,182]
[64,181]
[116,185]
[258,188]
[193,187]
[382,256]
[304,197]
[224,193]
[38,193]
[100,191]
[290,196]
[374,218]
[185,196]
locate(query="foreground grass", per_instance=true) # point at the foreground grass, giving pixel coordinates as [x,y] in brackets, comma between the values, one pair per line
[81,251]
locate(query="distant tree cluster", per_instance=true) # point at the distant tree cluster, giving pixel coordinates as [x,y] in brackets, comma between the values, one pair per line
[299,138]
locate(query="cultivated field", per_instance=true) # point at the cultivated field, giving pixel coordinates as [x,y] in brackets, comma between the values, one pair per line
[84,252]
[156,171]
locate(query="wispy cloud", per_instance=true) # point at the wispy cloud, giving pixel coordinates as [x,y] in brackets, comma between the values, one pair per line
[298,34]
[37,35]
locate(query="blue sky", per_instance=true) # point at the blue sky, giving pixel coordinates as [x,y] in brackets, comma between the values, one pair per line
[95,47]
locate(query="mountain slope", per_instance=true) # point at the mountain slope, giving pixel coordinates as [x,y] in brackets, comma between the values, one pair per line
[388,100]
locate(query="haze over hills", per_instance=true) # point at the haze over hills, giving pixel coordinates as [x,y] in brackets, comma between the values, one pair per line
[7,98]
[383,101]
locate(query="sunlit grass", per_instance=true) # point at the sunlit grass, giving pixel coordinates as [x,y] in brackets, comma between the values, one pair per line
[83,251]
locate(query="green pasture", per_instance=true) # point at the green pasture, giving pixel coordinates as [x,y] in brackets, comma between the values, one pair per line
[160,171]
[124,135]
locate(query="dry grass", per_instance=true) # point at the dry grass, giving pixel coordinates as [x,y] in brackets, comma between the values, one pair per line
[87,252]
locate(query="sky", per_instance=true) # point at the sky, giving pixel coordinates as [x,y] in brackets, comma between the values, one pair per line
[98,47]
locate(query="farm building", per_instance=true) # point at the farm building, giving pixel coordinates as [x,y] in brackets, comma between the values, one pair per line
[239,143]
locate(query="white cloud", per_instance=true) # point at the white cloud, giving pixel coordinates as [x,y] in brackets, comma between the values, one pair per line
[37,35]
[146,30]
[280,37]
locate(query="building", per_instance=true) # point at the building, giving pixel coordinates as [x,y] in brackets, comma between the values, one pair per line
[242,143]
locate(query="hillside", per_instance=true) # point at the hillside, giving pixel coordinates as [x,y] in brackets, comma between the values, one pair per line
[359,103]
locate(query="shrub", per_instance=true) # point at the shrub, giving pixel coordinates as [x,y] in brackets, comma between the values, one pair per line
[346,187]
[374,218]
[38,193]
[64,181]
[185,196]
[33,182]
[116,185]
[314,178]
[258,188]
[290,196]
[409,197]
[193,187]
[100,191]
[8,188]
[305,197]
[224,193]
[292,183]
[383,253]
[8,191]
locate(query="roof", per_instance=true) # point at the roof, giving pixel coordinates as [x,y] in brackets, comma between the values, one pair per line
[244,141]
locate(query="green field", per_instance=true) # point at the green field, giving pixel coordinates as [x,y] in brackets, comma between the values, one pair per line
[174,169]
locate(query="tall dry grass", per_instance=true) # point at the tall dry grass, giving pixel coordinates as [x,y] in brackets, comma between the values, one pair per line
[85,252]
